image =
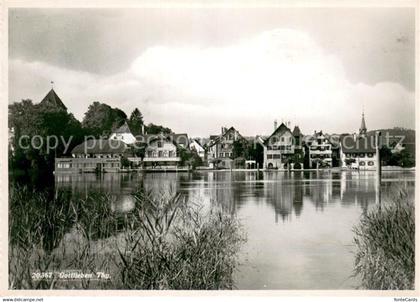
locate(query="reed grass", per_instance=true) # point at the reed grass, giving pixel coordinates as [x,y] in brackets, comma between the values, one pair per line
[164,243]
[385,241]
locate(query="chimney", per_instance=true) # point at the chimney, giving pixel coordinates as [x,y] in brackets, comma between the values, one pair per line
[223,130]
[275,125]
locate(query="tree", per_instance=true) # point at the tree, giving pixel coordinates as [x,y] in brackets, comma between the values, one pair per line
[52,124]
[136,122]
[156,129]
[240,148]
[101,119]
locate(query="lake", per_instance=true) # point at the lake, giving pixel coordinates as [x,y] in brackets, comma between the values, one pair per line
[298,224]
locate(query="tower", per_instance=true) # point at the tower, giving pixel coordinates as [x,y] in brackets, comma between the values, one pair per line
[363,130]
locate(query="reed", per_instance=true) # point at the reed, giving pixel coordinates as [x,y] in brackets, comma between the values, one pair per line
[385,241]
[164,243]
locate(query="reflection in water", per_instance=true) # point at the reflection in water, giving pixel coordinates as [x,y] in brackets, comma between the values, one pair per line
[298,223]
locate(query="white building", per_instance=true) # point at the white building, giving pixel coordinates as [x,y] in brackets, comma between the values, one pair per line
[123,134]
[358,151]
[320,151]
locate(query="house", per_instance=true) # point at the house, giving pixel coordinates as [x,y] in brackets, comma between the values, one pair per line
[220,150]
[95,155]
[320,150]
[282,149]
[162,151]
[197,147]
[124,134]
[358,151]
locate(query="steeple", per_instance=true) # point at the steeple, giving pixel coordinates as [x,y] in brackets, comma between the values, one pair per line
[53,100]
[363,129]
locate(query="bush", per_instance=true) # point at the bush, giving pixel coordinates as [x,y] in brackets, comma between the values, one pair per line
[385,246]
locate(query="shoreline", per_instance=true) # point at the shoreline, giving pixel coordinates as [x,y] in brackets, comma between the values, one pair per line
[335,169]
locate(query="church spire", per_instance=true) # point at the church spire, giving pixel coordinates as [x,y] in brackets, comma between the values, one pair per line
[363,129]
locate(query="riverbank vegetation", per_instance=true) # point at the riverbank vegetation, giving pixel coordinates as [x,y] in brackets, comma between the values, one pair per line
[163,243]
[385,241]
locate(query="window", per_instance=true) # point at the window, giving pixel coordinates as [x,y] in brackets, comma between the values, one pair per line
[276,156]
[371,163]
[269,156]
[282,139]
[221,154]
[362,163]
[171,153]
[160,154]
[159,144]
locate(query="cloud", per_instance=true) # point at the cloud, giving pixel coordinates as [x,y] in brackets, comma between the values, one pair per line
[279,74]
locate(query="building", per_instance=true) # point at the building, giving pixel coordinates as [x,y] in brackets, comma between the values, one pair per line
[95,155]
[358,151]
[221,148]
[320,151]
[197,147]
[282,149]
[163,151]
[124,134]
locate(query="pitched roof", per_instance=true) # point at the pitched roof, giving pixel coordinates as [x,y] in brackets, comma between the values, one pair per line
[100,146]
[52,99]
[279,131]
[219,137]
[124,128]
[360,144]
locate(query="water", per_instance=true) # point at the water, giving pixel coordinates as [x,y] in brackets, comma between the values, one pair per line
[298,225]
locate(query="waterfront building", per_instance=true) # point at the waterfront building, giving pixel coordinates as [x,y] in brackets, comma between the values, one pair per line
[95,155]
[282,149]
[320,150]
[220,148]
[358,151]
[163,151]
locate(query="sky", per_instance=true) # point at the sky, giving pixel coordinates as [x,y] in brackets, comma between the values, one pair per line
[198,69]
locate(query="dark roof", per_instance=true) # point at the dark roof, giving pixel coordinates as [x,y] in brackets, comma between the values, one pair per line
[296,131]
[123,129]
[100,146]
[219,137]
[360,144]
[279,131]
[52,99]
